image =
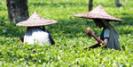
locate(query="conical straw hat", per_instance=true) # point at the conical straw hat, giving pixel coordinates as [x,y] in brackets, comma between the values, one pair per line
[98,13]
[35,20]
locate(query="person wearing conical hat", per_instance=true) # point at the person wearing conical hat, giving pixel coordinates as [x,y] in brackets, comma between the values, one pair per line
[109,36]
[36,33]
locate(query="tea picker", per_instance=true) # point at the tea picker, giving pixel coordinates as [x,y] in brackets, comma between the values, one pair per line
[36,32]
[109,36]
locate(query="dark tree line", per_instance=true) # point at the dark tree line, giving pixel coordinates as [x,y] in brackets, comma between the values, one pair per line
[90,4]
[17,10]
[118,3]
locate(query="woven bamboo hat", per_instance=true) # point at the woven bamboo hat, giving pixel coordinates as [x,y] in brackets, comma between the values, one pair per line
[35,20]
[98,13]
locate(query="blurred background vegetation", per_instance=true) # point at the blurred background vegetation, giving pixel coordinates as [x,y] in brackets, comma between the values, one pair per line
[69,36]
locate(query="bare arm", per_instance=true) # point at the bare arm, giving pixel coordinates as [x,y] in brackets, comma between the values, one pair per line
[99,41]
[90,32]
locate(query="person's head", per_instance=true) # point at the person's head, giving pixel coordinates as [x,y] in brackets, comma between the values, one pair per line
[36,27]
[102,23]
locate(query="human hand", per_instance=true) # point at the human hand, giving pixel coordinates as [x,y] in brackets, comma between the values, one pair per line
[89,31]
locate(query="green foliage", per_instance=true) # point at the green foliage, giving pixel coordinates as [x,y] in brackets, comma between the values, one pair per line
[69,36]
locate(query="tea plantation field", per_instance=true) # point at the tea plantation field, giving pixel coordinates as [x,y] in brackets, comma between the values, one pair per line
[69,36]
